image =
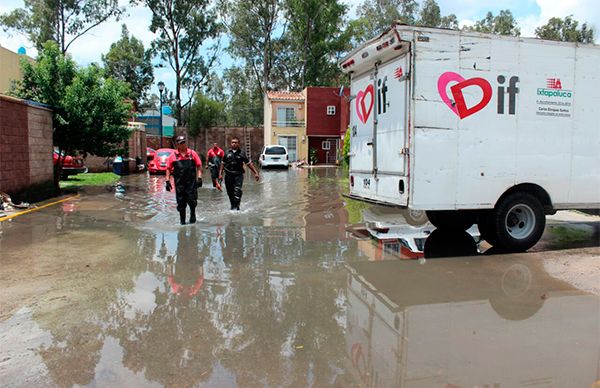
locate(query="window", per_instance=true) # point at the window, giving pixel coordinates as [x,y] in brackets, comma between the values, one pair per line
[286,117]
[331,110]
[326,145]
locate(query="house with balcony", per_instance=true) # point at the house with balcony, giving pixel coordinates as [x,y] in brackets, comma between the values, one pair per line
[284,123]
[315,118]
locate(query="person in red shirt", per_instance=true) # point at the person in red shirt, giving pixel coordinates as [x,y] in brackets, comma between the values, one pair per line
[186,168]
[214,157]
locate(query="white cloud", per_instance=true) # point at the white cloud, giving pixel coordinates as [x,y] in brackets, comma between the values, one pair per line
[585,11]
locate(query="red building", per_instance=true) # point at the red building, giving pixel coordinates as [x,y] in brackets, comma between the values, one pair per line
[327,118]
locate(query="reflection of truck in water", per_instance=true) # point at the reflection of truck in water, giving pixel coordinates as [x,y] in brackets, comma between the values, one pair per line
[395,233]
[475,128]
[500,324]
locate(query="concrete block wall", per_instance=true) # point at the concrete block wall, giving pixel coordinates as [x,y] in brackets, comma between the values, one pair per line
[40,145]
[25,145]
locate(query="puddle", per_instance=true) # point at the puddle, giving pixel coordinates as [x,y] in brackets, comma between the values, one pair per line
[111,290]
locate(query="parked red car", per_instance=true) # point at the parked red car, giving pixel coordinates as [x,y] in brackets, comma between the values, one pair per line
[158,165]
[150,154]
[72,165]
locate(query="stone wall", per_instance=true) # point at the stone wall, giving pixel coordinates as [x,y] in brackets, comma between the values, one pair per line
[25,145]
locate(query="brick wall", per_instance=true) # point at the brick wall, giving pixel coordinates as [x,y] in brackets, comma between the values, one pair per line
[223,135]
[25,145]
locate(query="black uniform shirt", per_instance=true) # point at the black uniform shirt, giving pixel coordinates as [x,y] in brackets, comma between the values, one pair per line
[234,161]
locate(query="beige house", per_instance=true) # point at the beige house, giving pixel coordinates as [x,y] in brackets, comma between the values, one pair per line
[285,123]
[10,68]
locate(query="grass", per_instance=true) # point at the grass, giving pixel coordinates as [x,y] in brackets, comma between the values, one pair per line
[89,179]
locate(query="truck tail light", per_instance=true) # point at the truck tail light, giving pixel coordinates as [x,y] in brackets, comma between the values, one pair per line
[352,180]
[262,157]
[286,157]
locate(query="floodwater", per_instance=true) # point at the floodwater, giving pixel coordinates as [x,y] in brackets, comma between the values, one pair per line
[301,288]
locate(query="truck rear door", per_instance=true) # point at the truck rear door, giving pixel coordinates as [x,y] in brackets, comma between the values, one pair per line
[379,142]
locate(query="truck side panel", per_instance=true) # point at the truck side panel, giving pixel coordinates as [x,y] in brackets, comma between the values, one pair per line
[483,124]
[585,166]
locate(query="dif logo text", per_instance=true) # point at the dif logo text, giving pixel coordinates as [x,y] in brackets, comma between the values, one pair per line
[507,86]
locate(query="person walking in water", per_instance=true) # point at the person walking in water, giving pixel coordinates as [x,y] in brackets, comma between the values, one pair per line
[214,157]
[233,165]
[186,168]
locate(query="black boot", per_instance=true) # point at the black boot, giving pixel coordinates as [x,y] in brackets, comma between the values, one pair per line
[192,215]
[182,216]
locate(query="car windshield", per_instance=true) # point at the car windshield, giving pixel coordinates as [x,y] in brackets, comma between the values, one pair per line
[275,151]
[164,153]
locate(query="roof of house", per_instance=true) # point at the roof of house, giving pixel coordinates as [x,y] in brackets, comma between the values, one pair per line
[287,96]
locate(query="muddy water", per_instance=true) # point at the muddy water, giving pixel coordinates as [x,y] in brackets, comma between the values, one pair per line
[300,288]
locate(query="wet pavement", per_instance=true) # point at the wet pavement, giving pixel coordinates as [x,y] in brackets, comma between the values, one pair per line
[303,287]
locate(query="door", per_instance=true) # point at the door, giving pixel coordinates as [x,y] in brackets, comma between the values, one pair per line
[289,142]
[378,149]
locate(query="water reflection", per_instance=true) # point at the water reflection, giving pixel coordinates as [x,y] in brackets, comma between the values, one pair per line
[464,323]
[118,294]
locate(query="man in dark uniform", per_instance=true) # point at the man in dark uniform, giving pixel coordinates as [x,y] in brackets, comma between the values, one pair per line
[233,164]
[186,168]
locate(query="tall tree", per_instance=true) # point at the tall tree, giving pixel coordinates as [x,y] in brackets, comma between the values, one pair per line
[183,26]
[431,16]
[502,24]
[205,113]
[63,21]
[315,36]
[253,29]
[90,114]
[245,105]
[129,62]
[379,15]
[565,30]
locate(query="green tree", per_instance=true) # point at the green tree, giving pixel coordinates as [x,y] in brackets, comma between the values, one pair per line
[245,104]
[253,30]
[63,21]
[502,24]
[430,16]
[565,30]
[183,26]
[129,62]
[90,114]
[314,34]
[205,114]
[379,15]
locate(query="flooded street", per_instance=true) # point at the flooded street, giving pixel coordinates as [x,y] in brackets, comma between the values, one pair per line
[302,287]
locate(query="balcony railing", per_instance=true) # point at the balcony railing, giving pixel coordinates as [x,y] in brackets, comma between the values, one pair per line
[288,123]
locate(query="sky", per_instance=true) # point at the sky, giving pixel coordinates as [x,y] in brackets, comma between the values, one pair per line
[529,14]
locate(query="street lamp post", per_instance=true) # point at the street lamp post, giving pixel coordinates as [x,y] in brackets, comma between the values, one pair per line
[161,89]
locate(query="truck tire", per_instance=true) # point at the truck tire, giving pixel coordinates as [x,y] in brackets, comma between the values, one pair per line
[451,219]
[519,222]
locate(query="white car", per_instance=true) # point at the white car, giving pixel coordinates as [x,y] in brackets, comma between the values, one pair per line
[274,156]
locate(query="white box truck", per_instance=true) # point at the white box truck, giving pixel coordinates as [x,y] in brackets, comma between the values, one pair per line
[476,128]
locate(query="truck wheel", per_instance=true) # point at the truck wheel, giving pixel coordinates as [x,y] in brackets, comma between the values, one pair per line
[414,217]
[519,222]
[451,219]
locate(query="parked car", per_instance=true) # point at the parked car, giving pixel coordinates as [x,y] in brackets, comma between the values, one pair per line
[71,165]
[150,154]
[158,165]
[274,156]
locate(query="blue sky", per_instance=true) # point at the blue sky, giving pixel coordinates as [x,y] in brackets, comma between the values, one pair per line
[529,13]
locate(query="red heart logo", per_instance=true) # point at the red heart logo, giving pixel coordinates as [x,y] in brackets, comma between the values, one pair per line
[362,111]
[459,107]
